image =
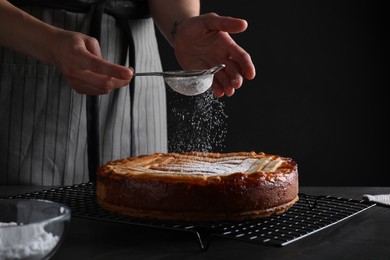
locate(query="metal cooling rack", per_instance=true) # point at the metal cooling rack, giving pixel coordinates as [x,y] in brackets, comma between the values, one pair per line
[309,215]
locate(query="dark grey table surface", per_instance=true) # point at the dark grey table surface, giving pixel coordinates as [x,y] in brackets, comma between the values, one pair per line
[363,236]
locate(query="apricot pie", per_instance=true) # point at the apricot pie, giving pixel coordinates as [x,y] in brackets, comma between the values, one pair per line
[199,186]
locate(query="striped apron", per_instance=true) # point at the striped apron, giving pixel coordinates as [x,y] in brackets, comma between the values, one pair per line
[45,125]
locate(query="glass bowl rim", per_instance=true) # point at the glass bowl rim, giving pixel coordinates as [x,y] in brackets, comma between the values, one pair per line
[64,216]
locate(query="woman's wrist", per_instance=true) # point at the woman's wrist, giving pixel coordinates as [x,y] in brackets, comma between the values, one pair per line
[170,14]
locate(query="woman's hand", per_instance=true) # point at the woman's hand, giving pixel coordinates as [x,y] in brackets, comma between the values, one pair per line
[79,58]
[203,41]
[76,55]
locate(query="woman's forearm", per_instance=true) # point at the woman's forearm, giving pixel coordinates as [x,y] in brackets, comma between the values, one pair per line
[24,33]
[76,55]
[168,14]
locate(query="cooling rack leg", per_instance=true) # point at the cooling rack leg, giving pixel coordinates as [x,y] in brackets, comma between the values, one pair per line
[204,245]
[203,235]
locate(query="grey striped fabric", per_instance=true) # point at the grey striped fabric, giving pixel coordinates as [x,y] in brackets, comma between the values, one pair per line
[43,121]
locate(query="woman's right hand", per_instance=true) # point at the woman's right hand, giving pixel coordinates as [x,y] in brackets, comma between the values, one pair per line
[78,57]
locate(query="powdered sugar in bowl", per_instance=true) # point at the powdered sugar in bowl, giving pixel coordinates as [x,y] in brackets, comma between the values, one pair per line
[31,228]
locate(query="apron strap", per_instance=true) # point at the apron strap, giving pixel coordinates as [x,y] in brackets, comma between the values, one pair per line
[122,14]
[93,101]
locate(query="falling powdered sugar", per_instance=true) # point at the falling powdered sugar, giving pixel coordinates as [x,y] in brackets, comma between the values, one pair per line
[32,241]
[196,123]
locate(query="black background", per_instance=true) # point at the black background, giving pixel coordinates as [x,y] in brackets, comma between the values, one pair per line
[319,96]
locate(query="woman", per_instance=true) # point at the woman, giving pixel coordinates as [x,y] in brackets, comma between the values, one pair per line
[64,67]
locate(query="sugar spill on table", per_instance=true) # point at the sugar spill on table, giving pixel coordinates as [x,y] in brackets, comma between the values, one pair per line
[197,123]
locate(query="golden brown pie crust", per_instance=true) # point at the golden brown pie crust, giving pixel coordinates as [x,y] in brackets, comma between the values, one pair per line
[199,186]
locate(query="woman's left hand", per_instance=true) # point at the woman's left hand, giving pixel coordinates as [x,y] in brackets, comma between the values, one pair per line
[204,41]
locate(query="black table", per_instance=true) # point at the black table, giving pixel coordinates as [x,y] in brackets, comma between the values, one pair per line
[363,236]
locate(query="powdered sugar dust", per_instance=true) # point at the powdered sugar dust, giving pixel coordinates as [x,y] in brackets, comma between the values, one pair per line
[196,123]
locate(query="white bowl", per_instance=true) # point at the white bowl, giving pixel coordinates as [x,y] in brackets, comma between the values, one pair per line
[31,228]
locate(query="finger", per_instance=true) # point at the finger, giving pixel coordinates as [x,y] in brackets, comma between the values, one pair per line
[224,23]
[85,89]
[93,46]
[244,60]
[230,77]
[221,90]
[100,66]
[234,72]
[229,90]
[217,88]
[91,83]
[89,58]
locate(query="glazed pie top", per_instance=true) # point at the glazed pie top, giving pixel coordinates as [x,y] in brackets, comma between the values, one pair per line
[196,165]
